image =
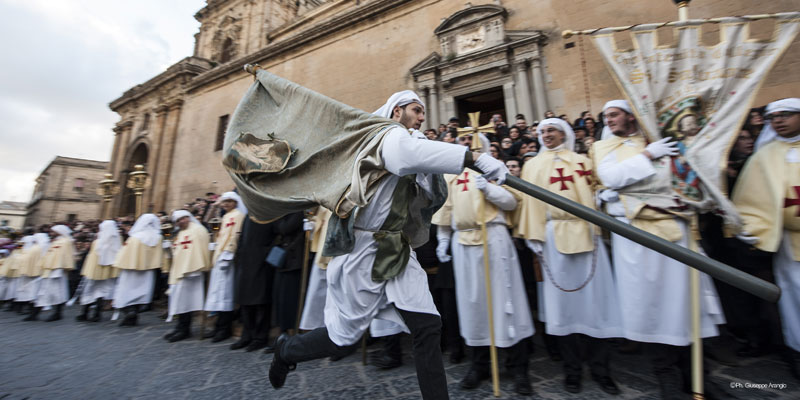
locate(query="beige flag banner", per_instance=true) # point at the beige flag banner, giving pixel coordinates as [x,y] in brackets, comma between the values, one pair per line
[700,95]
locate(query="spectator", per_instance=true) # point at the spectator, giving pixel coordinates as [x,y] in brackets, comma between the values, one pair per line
[514,166]
[591,126]
[580,135]
[521,124]
[506,143]
[755,122]
[549,114]
[454,122]
[450,136]
[442,129]
[496,152]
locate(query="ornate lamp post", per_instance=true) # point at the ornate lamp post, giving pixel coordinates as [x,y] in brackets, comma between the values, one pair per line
[138,181]
[107,188]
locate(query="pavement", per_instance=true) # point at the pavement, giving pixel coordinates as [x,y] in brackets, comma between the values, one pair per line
[71,360]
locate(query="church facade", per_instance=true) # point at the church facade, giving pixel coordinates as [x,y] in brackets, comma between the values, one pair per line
[504,57]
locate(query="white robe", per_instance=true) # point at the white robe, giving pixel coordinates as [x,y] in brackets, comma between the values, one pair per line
[9,288]
[186,295]
[512,316]
[133,287]
[27,288]
[787,276]
[5,283]
[220,286]
[94,290]
[314,306]
[592,310]
[353,298]
[53,290]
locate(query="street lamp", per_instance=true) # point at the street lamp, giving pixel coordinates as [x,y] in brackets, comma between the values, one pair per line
[107,188]
[138,181]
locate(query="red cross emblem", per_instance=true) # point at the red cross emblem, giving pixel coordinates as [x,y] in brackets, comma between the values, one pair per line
[793,202]
[185,242]
[464,181]
[584,172]
[561,178]
[232,223]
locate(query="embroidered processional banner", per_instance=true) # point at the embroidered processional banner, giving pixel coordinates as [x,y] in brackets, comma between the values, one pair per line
[700,95]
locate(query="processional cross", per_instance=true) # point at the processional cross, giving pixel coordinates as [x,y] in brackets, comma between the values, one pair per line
[475,130]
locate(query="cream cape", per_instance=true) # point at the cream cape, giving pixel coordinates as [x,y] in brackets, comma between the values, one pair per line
[29,262]
[289,148]
[93,270]
[228,236]
[189,252]
[650,204]
[767,196]
[466,198]
[137,256]
[60,255]
[567,174]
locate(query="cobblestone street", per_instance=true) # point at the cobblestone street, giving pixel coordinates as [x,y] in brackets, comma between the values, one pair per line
[71,360]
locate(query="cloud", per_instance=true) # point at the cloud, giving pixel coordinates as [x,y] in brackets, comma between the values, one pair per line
[63,62]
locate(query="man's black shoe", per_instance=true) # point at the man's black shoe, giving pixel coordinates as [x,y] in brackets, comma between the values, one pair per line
[255,346]
[279,368]
[522,384]
[606,384]
[210,334]
[170,334]
[53,317]
[270,348]
[240,344]
[572,383]
[384,361]
[221,335]
[180,335]
[474,378]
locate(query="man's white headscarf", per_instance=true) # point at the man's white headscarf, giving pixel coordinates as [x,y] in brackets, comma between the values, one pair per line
[43,240]
[27,241]
[398,99]
[768,133]
[109,242]
[147,229]
[622,105]
[63,230]
[563,126]
[235,197]
[178,214]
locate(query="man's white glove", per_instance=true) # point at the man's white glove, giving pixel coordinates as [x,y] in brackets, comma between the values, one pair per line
[480,183]
[166,244]
[441,251]
[747,238]
[492,168]
[608,195]
[308,225]
[662,148]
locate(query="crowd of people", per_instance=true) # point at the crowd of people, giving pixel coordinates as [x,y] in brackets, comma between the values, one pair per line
[585,293]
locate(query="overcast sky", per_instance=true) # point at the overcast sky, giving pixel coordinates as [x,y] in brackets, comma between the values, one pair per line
[63,61]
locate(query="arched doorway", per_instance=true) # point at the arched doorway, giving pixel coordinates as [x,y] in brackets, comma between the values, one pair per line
[139,156]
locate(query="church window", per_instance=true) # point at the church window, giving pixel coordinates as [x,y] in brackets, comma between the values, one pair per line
[146,123]
[222,126]
[78,185]
[227,51]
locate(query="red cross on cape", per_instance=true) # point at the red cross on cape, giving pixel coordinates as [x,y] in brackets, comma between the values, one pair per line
[561,178]
[584,172]
[185,241]
[463,181]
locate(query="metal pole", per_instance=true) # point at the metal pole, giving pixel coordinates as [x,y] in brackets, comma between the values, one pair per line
[732,276]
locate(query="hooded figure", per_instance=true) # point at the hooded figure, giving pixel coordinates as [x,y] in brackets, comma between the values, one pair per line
[190,258]
[136,261]
[29,268]
[221,282]
[768,197]
[98,271]
[60,257]
[578,295]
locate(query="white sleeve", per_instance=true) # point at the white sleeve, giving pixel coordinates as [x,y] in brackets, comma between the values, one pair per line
[500,197]
[405,155]
[616,175]
[443,233]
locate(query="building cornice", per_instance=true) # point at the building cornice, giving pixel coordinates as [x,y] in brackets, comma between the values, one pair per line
[314,33]
[188,67]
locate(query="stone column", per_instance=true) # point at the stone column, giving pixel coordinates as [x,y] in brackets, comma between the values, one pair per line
[510,103]
[156,153]
[538,89]
[449,108]
[523,92]
[124,139]
[433,106]
[113,166]
[168,152]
